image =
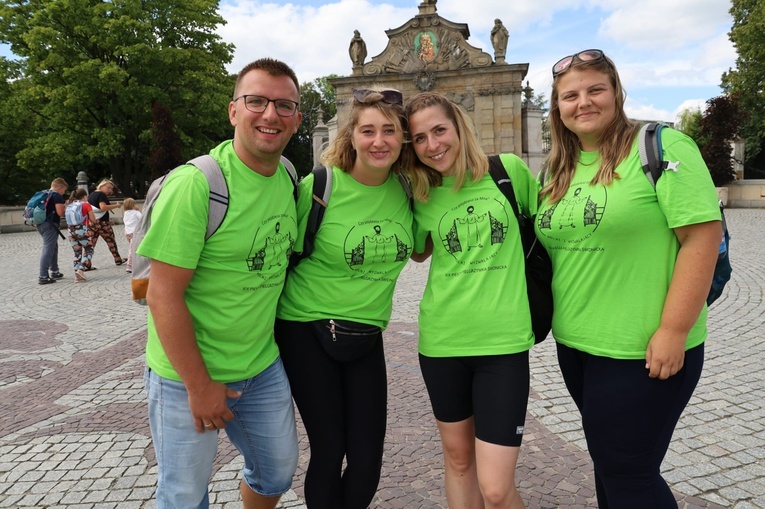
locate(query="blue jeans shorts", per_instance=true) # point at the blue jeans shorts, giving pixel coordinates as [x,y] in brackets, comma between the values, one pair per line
[263,431]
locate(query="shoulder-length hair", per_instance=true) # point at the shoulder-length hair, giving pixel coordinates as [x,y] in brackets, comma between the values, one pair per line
[340,151]
[470,160]
[77,194]
[613,147]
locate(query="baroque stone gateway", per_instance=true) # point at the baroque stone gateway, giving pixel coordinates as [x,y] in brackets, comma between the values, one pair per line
[428,53]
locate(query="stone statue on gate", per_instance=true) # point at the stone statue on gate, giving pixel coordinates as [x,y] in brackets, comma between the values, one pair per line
[499,37]
[357,50]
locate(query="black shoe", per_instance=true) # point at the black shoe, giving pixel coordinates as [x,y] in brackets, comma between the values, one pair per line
[45,281]
[120,261]
[56,275]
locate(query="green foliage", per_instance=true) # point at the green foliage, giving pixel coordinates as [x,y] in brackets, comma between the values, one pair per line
[718,127]
[317,98]
[90,71]
[18,184]
[167,144]
[746,80]
[689,122]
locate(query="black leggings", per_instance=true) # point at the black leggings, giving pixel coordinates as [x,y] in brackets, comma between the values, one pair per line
[344,410]
[628,420]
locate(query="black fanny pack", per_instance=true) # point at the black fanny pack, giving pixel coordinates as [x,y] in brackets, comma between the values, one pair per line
[346,341]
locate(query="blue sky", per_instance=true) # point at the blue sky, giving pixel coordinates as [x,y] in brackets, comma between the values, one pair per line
[670,53]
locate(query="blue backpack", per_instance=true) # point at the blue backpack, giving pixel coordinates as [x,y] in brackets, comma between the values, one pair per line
[36,211]
[74,215]
[652,160]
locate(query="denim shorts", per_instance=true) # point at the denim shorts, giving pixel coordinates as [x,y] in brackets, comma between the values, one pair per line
[263,431]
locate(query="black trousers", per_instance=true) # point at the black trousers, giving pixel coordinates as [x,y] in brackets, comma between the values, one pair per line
[343,406]
[628,421]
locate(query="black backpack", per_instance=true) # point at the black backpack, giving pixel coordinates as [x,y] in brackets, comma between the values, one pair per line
[538,264]
[322,189]
[652,160]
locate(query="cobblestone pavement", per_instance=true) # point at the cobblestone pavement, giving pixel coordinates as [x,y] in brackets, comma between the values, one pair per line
[74,432]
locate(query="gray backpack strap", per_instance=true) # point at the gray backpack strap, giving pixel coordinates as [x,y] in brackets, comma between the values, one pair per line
[290,169]
[293,175]
[650,151]
[327,186]
[218,192]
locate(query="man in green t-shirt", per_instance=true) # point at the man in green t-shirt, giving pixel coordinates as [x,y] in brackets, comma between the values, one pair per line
[212,362]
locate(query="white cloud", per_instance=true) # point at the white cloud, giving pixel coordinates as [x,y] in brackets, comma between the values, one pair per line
[313,40]
[655,43]
[664,25]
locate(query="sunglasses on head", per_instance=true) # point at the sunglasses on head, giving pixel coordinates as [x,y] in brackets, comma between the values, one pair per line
[588,55]
[389,96]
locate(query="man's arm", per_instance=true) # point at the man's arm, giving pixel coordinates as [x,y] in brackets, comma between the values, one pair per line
[175,328]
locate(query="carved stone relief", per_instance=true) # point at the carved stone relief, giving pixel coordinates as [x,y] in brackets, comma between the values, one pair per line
[426,43]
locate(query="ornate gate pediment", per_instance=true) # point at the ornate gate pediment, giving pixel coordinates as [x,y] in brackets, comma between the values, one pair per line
[427,43]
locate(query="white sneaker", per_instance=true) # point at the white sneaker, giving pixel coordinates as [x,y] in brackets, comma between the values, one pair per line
[80,274]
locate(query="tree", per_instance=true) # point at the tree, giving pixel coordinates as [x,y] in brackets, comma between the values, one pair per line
[18,184]
[718,127]
[748,35]
[689,123]
[167,144]
[93,69]
[315,97]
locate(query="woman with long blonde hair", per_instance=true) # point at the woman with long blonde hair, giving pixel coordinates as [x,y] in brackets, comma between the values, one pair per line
[475,321]
[632,266]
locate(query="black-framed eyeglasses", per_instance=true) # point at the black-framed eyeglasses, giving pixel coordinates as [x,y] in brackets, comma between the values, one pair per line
[588,55]
[389,96]
[258,104]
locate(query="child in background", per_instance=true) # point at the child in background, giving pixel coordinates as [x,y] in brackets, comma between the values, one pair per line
[80,237]
[131,217]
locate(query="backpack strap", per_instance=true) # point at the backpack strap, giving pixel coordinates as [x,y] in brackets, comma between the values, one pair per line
[651,151]
[293,175]
[218,191]
[407,189]
[322,188]
[499,174]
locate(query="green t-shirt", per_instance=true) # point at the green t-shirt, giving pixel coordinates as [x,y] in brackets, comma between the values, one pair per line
[475,300]
[238,273]
[613,248]
[363,243]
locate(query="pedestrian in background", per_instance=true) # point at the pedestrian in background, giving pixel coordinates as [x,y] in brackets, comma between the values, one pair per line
[130,218]
[80,218]
[99,199]
[49,231]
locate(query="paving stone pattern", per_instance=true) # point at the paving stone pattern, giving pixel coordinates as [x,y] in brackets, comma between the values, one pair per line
[74,431]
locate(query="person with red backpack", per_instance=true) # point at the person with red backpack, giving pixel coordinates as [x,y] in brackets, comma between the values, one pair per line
[48,230]
[79,218]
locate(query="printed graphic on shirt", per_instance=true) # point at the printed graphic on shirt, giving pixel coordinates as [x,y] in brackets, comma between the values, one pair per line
[576,216]
[271,247]
[373,248]
[474,230]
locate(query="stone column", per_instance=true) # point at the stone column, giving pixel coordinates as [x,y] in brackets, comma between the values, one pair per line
[82,181]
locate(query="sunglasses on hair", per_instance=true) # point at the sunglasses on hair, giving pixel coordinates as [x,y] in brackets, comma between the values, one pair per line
[389,96]
[588,55]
